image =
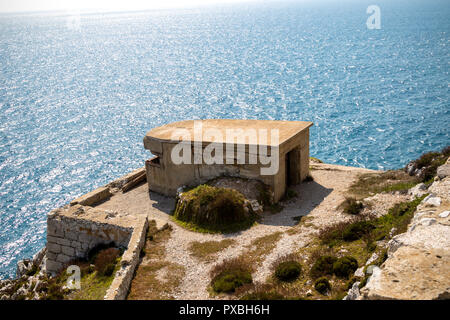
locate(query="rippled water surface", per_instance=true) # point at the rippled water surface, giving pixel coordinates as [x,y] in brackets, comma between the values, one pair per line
[76,103]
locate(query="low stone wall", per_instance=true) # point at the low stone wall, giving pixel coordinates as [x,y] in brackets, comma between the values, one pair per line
[73,231]
[130,259]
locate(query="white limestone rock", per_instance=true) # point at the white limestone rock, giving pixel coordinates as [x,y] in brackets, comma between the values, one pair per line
[444,214]
[353,293]
[418,190]
[432,201]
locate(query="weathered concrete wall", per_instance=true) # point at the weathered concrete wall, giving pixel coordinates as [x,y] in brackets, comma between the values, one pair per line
[166,177]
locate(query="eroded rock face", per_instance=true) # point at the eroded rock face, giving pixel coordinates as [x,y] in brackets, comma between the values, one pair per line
[411,273]
[418,191]
[418,264]
[443,171]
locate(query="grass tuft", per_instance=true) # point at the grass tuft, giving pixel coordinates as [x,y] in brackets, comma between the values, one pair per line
[230,275]
[351,206]
[207,250]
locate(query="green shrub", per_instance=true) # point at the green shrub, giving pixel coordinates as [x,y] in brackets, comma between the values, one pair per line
[33,270]
[230,275]
[357,230]
[426,159]
[429,162]
[229,280]
[345,266]
[446,151]
[288,271]
[352,206]
[322,285]
[373,229]
[351,230]
[323,266]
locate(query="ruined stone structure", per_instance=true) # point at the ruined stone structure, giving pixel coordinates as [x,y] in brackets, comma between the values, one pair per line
[252,137]
[75,229]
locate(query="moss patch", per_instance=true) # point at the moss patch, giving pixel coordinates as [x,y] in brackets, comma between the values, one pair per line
[322,285]
[212,209]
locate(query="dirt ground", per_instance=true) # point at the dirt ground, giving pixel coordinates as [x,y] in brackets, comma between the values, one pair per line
[316,203]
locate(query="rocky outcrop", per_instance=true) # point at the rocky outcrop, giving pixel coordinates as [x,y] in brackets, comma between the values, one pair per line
[27,266]
[353,293]
[418,264]
[444,170]
[429,165]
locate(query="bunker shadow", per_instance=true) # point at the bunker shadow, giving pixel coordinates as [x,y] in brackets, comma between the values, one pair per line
[162,203]
[309,195]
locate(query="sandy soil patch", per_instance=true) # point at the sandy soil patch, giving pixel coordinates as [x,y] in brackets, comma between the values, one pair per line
[317,200]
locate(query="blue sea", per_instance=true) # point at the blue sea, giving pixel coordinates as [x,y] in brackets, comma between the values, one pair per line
[78,93]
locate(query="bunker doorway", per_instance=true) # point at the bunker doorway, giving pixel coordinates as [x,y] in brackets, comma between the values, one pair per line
[293,167]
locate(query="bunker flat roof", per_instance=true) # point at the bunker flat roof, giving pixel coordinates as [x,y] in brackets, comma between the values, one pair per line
[171,132]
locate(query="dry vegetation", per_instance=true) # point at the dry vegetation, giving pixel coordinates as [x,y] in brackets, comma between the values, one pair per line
[206,251]
[369,184]
[333,256]
[155,277]
[233,276]
[97,274]
[260,247]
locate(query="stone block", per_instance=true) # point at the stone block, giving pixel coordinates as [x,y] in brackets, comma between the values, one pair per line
[53,247]
[63,258]
[54,228]
[69,251]
[63,242]
[93,197]
[51,255]
[53,266]
[75,244]
[71,235]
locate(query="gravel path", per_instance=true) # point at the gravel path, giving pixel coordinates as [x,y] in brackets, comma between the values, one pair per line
[317,200]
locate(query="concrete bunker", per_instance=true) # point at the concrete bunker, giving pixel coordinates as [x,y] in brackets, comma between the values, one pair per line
[244,146]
